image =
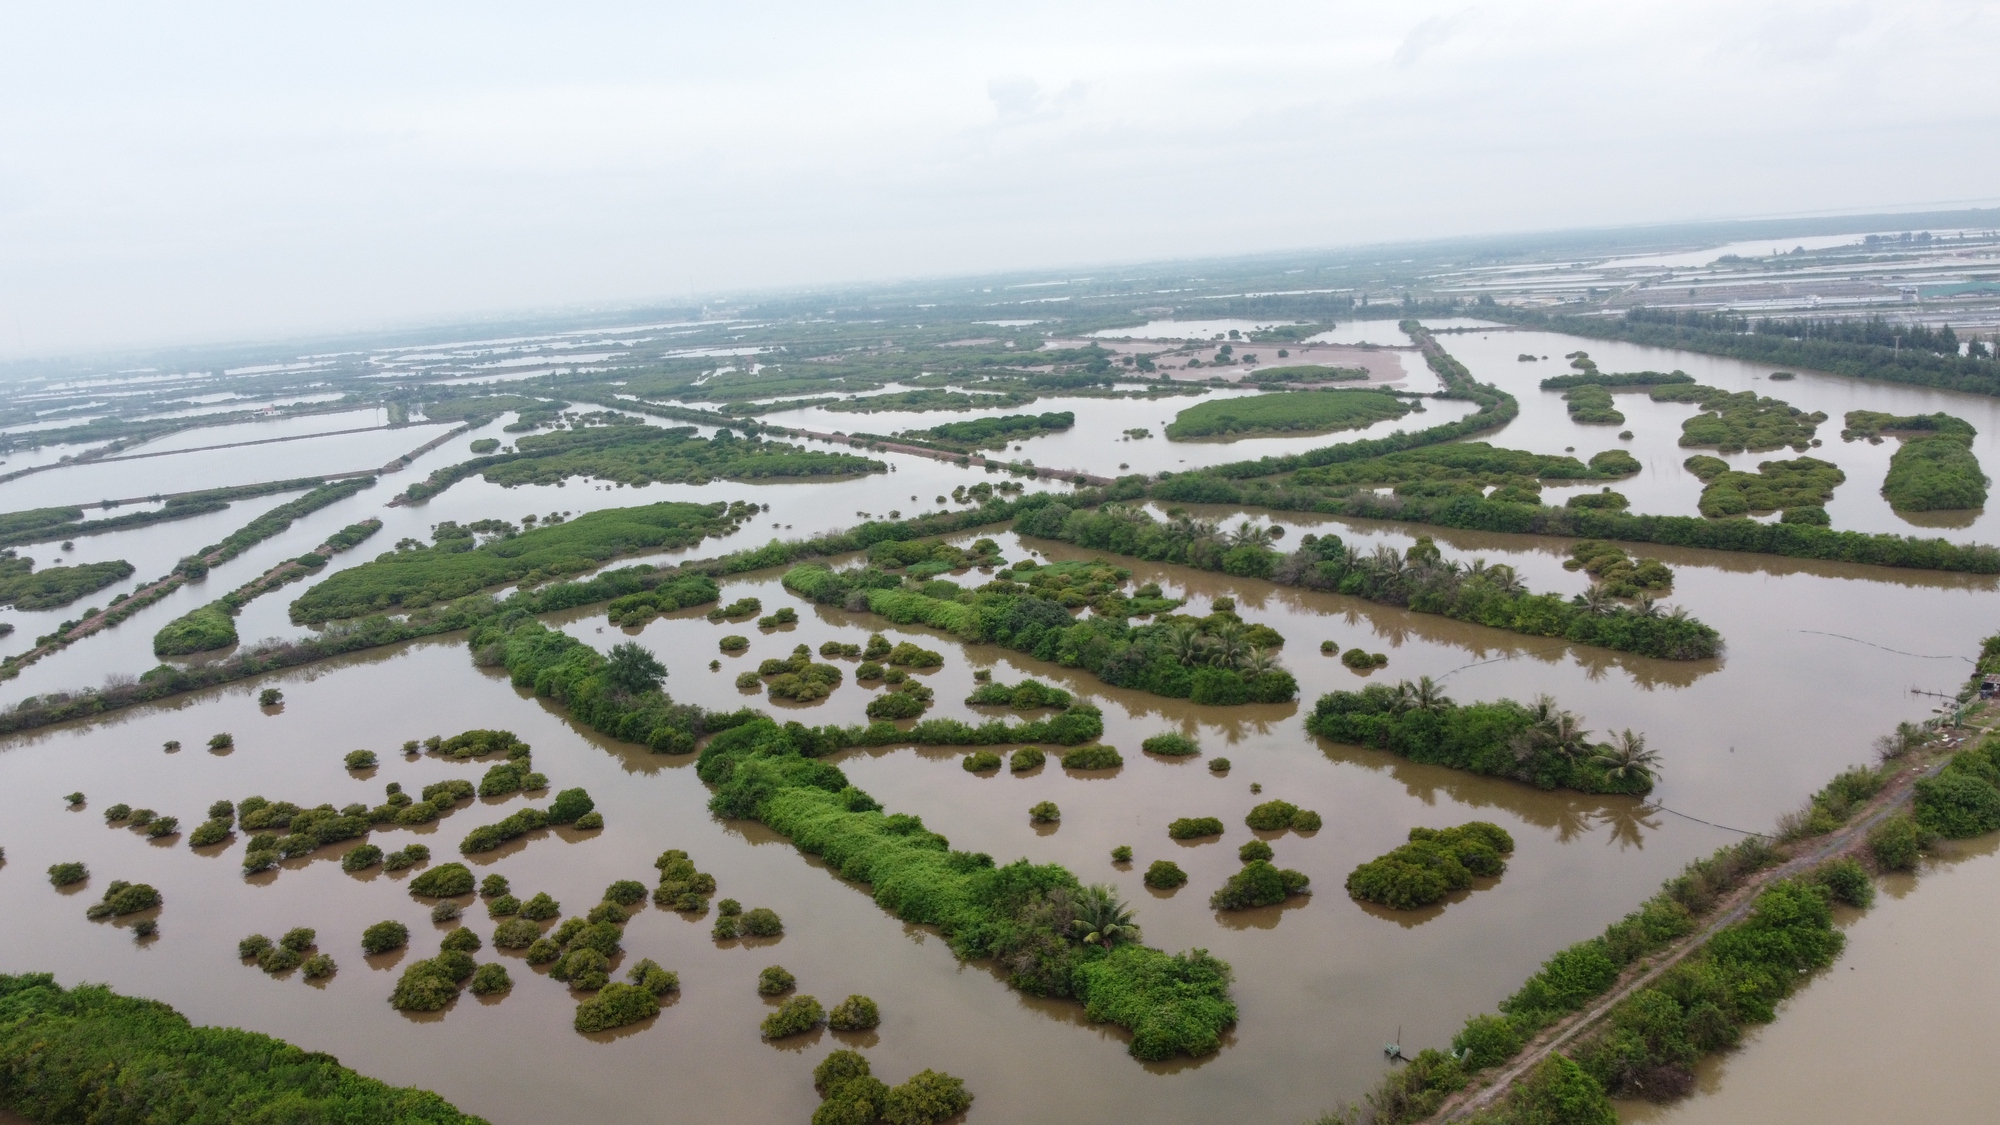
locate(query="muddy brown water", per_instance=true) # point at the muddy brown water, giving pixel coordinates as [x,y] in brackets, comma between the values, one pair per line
[1820,658]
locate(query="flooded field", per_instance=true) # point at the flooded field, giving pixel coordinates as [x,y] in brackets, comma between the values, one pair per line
[1819,659]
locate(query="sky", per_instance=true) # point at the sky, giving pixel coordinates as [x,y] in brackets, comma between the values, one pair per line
[217,172]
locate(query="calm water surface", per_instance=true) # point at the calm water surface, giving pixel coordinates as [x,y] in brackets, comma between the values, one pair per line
[1820,658]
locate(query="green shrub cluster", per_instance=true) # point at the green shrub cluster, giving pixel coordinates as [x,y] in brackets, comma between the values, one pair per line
[1800,484]
[1165,875]
[683,592]
[1735,421]
[1044,812]
[1418,578]
[856,1013]
[1277,816]
[1092,758]
[1964,798]
[1933,468]
[446,880]
[454,567]
[994,433]
[360,858]
[1499,739]
[1173,1004]
[510,777]
[384,936]
[1286,412]
[201,629]
[409,855]
[616,1005]
[785,615]
[516,933]
[1172,744]
[69,1053]
[1025,759]
[122,898]
[741,607]
[1570,980]
[579,952]
[67,874]
[798,678]
[924,558]
[1591,403]
[1433,864]
[1618,573]
[429,985]
[1255,849]
[486,837]
[797,1015]
[1258,884]
[980,761]
[682,887]
[1194,827]
[1028,608]
[850,1095]
[1897,842]
[774,980]
[1024,696]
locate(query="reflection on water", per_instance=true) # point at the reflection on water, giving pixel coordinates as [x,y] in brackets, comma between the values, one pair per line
[1895,1030]
[1820,658]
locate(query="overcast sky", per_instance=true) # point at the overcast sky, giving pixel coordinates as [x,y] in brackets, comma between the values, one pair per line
[191,172]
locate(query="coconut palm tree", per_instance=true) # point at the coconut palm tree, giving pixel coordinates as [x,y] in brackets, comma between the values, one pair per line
[1627,756]
[1226,646]
[1248,534]
[1429,695]
[1563,732]
[1404,700]
[1595,601]
[1647,607]
[1102,918]
[1506,581]
[1259,660]
[1185,644]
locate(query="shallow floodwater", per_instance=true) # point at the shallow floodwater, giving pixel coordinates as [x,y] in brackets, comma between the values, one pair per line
[1820,658]
[1664,487]
[1893,1031]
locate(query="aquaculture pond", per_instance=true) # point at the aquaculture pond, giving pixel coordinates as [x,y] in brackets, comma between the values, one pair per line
[1819,658]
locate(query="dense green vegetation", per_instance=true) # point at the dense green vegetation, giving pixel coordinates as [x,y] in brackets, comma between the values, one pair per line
[1540,744]
[1591,404]
[994,433]
[1616,572]
[41,525]
[1473,463]
[271,523]
[1215,659]
[1964,799]
[852,1096]
[89,1054]
[1592,376]
[1734,422]
[455,567]
[1802,483]
[1194,827]
[1934,469]
[1864,349]
[1307,373]
[1433,864]
[621,448]
[201,629]
[1018,913]
[1259,883]
[24,587]
[1286,412]
[1418,578]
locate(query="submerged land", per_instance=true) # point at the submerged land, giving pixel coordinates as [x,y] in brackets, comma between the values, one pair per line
[1175,695]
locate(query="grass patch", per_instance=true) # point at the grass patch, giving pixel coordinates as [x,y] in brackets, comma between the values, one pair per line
[1287,412]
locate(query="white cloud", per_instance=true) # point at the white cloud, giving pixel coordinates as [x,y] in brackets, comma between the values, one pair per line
[204,171]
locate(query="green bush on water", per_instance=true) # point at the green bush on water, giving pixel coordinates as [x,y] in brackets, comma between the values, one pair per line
[648,974]
[1964,798]
[980,760]
[1194,827]
[461,939]
[1433,864]
[383,937]
[1258,884]
[1165,875]
[1172,744]
[360,858]
[491,979]
[1897,842]
[1173,1004]
[122,897]
[1254,850]
[65,874]
[540,907]
[70,1053]
[775,981]
[616,1005]
[856,1013]
[796,1015]
[446,880]
[515,933]
[1025,759]
[208,833]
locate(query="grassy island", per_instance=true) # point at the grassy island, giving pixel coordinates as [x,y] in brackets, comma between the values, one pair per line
[1287,412]
[69,1054]
[1539,744]
[1017,913]
[455,566]
[1934,469]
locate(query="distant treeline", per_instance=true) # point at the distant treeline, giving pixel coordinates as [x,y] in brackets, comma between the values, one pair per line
[1825,349]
